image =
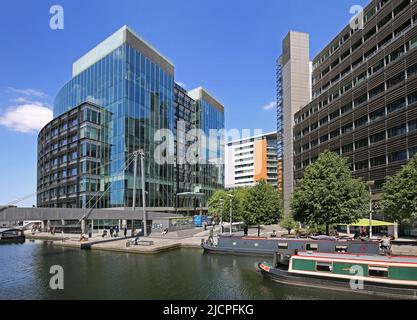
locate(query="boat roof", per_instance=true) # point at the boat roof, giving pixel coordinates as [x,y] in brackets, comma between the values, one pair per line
[333,240]
[358,257]
[9,229]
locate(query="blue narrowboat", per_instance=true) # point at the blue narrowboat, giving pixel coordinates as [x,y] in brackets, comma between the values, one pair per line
[284,248]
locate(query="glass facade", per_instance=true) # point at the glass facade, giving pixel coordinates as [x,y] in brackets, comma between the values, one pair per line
[139,95]
[134,85]
[185,120]
[280,124]
[280,116]
[211,169]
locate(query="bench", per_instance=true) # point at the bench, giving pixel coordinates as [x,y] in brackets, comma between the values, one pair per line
[140,243]
[145,243]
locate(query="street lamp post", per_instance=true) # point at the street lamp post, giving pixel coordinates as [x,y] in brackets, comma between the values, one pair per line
[230,199]
[140,153]
[135,172]
[370,185]
[142,169]
[221,213]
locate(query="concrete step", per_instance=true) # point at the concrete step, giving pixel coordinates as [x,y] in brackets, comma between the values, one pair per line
[181,234]
[87,245]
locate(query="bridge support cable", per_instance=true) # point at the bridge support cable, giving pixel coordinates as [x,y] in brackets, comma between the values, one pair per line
[126,165]
[28,196]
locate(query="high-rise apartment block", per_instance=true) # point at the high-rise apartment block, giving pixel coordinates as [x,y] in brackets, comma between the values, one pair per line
[252,159]
[293,92]
[364,97]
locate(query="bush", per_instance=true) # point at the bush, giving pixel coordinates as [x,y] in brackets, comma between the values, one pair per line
[289,224]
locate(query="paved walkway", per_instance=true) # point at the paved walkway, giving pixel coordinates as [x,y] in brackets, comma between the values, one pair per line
[97,242]
[404,250]
[159,245]
[162,243]
[61,236]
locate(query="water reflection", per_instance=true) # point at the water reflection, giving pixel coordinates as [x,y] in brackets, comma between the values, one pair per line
[179,274]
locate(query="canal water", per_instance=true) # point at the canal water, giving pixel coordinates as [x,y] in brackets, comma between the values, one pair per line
[187,274]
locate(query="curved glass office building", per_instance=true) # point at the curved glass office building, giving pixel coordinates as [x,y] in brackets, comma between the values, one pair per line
[133,86]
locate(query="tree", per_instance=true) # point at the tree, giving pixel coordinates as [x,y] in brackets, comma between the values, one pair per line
[222,208]
[262,205]
[399,201]
[238,204]
[289,224]
[328,194]
[216,203]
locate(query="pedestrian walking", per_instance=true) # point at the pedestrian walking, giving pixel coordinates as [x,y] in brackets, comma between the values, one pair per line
[137,238]
[111,232]
[386,245]
[245,230]
[211,237]
[117,231]
[125,232]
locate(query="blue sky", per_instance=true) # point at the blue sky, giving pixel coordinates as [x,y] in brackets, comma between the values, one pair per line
[227,46]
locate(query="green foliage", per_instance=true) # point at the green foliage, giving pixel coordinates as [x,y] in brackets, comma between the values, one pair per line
[238,204]
[289,224]
[222,208]
[262,205]
[400,194]
[215,205]
[328,194]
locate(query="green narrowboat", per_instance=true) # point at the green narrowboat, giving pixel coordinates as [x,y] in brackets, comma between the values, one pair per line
[388,276]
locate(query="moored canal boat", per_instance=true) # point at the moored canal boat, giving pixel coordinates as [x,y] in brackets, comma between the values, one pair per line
[11,235]
[381,276]
[286,247]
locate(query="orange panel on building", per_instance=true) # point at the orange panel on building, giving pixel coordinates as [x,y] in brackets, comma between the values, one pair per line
[280,177]
[260,160]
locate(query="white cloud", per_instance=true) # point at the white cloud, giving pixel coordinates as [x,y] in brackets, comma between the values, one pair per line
[26,118]
[269,106]
[27,92]
[20,100]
